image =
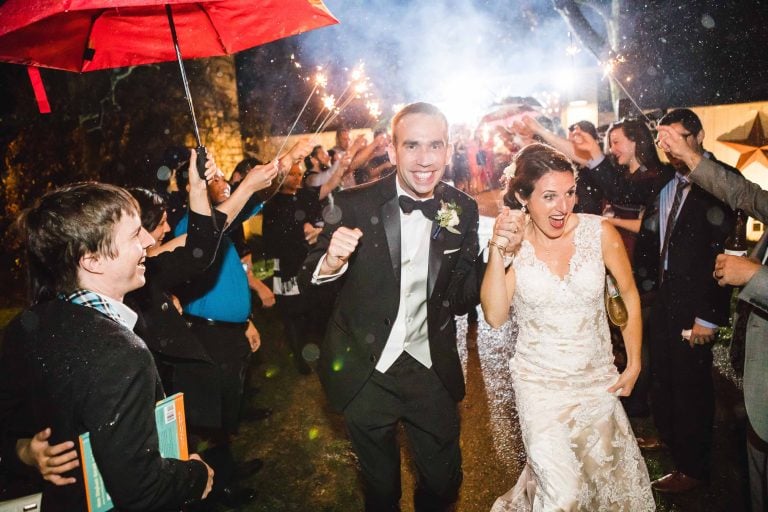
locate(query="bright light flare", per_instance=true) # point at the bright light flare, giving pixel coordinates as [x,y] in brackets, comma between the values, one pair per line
[373,109]
[321,80]
[361,88]
[329,101]
[358,72]
[608,68]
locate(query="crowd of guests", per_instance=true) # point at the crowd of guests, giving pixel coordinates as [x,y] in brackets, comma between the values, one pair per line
[123,313]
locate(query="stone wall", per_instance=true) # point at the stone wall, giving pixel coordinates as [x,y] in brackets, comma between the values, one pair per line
[213,83]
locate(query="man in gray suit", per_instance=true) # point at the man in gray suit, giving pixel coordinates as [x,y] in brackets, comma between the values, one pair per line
[752,274]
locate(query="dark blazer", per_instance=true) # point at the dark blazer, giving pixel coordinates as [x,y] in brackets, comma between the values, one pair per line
[369,290]
[701,228]
[619,187]
[181,359]
[74,369]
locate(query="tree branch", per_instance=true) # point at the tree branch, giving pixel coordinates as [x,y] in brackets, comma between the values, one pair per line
[579,25]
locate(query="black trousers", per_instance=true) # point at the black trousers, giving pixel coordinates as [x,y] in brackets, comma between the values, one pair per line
[229,348]
[294,312]
[414,395]
[682,392]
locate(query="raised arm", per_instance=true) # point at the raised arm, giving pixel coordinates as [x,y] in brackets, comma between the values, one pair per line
[498,286]
[261,177]
[530,126]
[338,173]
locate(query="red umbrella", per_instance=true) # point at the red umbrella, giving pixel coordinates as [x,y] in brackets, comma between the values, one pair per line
[86,35]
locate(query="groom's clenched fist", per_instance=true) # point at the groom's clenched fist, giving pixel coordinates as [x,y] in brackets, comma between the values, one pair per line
[343,243]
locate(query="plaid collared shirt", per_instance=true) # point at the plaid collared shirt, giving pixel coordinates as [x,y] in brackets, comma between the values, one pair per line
[93,300]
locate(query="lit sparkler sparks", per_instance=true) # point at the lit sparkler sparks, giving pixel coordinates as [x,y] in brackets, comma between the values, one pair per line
[321,80]
[373,109]
[608,71]
[357,86]
[329,101]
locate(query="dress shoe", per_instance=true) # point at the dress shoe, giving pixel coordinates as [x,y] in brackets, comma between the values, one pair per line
[248,468]
[650,443]
[234,496]
[675,483]
[256,414]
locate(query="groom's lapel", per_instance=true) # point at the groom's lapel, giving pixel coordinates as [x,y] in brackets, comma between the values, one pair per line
[436,247]
[390,212]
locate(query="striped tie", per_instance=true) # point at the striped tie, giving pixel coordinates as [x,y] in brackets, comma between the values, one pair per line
[681,185]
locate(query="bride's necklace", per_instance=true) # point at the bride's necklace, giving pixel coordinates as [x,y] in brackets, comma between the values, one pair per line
[552,248]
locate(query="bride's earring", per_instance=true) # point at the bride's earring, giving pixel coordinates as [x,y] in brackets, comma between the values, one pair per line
[524,209]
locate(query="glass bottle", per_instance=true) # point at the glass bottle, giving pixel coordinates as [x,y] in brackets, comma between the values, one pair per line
[736,243]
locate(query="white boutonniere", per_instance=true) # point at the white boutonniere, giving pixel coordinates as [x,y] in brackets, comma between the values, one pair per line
[448,216]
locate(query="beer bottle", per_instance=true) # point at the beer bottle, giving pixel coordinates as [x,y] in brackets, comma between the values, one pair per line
[736,243]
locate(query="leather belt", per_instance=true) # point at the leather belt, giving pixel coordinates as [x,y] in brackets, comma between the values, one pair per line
[198,320]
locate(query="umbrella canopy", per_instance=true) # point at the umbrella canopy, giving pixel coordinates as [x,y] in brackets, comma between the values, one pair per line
[508,111]
[87,35]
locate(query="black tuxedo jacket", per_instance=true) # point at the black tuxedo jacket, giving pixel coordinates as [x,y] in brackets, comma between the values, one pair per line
[701,228]
[73,369]
[369,291]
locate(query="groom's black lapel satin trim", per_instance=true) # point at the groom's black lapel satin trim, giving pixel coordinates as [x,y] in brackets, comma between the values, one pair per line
[436,245]
[390,212]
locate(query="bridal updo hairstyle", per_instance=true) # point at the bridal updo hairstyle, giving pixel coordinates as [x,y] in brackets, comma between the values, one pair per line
[531,163]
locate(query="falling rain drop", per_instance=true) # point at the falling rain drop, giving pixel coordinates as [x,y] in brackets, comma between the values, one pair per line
[715,216]
[310,352]
[332,214]
[164,173]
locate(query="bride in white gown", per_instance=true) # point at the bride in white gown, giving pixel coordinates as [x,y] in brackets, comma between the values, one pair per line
[582,454]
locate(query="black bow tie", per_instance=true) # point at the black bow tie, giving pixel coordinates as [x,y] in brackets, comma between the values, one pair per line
[428,208]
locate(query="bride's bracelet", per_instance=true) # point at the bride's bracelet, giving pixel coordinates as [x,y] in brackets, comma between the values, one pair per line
[501,248]
[502,252]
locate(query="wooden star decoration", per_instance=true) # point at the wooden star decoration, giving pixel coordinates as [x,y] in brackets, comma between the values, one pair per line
[752,149]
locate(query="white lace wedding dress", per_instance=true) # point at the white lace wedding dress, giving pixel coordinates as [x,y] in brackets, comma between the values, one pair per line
[582,454]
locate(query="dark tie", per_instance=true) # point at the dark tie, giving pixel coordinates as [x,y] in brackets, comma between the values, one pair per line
[428,208]
[681,186]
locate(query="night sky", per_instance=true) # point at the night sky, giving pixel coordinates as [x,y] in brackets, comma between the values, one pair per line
[466,54]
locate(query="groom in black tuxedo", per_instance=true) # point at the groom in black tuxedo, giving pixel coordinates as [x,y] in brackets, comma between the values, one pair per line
[389,353]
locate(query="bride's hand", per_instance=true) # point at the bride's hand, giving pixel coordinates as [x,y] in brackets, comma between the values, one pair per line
[625,382]
[508,229]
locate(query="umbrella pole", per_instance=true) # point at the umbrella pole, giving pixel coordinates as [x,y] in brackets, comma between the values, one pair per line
[200,150]
[183,74]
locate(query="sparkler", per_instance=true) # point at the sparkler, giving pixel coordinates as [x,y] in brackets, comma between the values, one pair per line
[373,109]
[357,86]
[608,70]
[320,81]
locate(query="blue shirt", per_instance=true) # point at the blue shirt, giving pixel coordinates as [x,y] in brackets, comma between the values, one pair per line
[229,300]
